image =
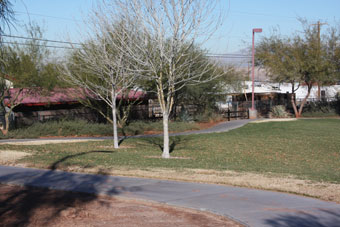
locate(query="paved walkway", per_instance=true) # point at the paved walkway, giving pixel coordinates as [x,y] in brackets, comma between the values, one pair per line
[221,127]
[248,206]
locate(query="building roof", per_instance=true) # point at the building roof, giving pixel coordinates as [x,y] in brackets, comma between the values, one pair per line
[40,97]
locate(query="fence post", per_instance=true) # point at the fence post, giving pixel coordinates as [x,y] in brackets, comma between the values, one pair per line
[236,110]
[228,114]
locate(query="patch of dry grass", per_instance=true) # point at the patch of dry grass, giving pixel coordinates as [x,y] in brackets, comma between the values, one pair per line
[10,156]
[274,120]
[44,142]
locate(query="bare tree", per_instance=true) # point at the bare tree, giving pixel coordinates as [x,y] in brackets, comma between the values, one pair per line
[6,15]
[101,68]
[169,31]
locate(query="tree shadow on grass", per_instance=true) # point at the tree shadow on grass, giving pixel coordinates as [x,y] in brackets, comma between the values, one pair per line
[121,140]
[19,207]
[174,141]
[55,165]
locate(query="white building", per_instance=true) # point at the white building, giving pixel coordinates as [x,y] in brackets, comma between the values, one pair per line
[327,92]
[8,83]
[265,88]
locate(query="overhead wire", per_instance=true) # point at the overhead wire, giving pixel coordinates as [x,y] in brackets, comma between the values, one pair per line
[230,55]
[75,20]
[42,15]
[45,40]
[27,44]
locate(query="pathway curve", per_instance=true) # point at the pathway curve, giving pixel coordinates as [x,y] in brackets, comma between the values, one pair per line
[248,206]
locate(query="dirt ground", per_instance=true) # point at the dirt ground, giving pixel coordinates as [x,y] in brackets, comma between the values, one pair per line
[27,206]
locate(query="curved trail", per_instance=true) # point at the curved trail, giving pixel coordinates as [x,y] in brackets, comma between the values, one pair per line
[248,206]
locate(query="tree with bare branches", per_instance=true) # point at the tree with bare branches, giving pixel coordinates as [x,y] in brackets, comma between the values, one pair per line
[167,31]
[101,68]
[6,15]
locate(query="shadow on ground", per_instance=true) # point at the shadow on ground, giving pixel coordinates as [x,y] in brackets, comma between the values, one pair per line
[174,141]
[55,165]
[306,220]
[19,206]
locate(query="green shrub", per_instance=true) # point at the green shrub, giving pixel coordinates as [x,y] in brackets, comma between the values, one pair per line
[84,128]
[279,111]
[208,116]
[321,109]
[61,128]
[184,115]
[319,114]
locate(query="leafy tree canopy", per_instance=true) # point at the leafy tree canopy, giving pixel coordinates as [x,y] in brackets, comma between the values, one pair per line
[306,58]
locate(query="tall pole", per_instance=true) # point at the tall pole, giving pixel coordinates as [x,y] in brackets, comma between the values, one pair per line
[253,69]
[318,24]
[253,73]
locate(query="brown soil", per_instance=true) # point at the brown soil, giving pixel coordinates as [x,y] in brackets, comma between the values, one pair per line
[27,206]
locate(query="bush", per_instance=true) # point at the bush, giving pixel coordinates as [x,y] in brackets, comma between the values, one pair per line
[279,111]
[184,115]
[319,114]
[61,128]
[209,116]
[84,128]
[321,109]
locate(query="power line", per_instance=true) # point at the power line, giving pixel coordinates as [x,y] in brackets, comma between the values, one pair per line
[261,14]
[42,15]
[45,40]
[232,11]
[27,44]
[240,56]
[231,54]
[233,57]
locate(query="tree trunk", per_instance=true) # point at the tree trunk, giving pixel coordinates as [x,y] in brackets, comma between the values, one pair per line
[292,100]
[5,128]
[166,151]
[114,119]
[305,99]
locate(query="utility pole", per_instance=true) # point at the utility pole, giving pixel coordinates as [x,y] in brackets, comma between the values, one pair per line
[319,24]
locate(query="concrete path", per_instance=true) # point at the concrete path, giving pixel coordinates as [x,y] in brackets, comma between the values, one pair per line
[248,206]
[221,127]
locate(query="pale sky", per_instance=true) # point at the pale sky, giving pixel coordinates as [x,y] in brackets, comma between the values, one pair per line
[61,19]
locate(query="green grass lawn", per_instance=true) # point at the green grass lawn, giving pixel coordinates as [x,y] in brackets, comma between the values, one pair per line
[308,149]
